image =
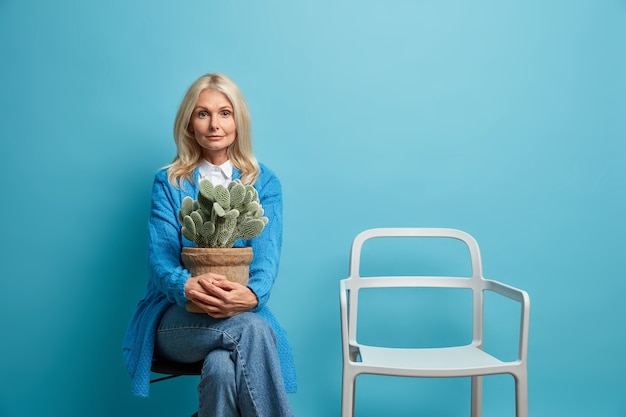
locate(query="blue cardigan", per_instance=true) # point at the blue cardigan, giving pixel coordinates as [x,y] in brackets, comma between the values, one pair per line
[168,276]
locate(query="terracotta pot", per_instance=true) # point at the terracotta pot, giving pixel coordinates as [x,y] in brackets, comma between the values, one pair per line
[234,263]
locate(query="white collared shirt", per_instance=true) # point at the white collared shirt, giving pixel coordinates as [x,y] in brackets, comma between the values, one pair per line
[217,174]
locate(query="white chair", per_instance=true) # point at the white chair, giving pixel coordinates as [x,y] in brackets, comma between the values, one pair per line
[445,362]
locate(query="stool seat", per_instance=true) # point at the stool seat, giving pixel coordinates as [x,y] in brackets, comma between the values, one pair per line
[174,369]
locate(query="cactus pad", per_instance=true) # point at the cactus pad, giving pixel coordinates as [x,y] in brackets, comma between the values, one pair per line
[221,215]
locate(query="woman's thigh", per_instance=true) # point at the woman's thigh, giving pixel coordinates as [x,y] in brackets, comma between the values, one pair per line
[188,337]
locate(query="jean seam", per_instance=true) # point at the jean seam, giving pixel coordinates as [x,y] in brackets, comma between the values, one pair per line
[245,376]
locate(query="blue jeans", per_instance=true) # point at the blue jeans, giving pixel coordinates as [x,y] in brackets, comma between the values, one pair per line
[241,374]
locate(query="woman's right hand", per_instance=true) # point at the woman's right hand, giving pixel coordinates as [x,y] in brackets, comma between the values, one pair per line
[192,284]
[218,297]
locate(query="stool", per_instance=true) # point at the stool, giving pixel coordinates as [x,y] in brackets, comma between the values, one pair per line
[174,369]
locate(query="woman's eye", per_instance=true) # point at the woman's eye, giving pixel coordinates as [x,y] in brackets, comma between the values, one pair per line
[202,113]
[225,113]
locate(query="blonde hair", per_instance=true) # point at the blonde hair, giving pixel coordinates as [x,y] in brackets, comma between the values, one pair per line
[189,153]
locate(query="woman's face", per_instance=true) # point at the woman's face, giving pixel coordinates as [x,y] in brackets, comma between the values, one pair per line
[213,125]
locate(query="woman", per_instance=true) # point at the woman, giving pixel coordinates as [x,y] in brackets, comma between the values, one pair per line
[248,366]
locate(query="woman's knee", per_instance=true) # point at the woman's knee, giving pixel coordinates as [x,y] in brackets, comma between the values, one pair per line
[219,365]
[255,327]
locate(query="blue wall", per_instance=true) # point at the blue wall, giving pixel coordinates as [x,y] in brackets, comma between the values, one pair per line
[502,118]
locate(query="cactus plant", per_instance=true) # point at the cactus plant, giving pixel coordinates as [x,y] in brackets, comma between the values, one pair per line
[221,215]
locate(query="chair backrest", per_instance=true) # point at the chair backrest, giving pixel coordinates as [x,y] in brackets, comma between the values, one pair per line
[475,282]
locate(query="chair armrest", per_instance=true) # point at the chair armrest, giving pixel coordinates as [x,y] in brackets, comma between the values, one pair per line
[522,297]
[507,291]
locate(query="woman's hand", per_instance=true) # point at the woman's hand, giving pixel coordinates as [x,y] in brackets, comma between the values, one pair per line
[218,297]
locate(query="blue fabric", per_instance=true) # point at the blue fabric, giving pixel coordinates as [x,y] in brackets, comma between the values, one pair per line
[167,276]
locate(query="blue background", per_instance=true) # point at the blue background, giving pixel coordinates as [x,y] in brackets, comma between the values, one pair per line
[502,118]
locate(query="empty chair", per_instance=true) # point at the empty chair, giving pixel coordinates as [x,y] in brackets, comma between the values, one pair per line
[469,360]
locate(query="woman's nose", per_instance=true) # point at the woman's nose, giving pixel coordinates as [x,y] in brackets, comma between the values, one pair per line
[213,123]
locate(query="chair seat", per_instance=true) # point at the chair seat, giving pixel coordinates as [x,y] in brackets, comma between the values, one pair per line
[432,362]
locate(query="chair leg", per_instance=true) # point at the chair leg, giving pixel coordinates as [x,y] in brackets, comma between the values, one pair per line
[521,395]
[477,396]
[347,395]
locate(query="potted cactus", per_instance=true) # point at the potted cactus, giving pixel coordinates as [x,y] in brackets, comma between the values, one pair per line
[214,221]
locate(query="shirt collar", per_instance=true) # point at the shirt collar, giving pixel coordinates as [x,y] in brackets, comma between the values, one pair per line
[207,170]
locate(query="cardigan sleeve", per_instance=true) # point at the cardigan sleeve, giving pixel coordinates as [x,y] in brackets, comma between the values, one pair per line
[267,246]
[165,242]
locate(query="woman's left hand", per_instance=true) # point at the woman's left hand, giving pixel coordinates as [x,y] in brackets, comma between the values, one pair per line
[222,298]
